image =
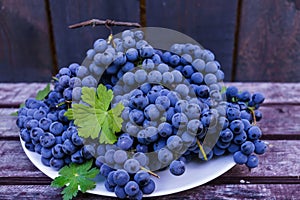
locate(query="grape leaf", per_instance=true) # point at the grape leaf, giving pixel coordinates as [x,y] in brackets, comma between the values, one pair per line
[41,95]
[93,118]
[76,177]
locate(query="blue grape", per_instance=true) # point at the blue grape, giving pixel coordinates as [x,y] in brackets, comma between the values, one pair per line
[142,178]
[165,129]
[47,140]
[138,101]
[32,123]
[149,188]
[247,147]
[177,168]
[244,96]
[254,133]
[77,157]
[226,135]
[76,139]
[131,166]
[56,163]
[120,156]
[165,156]
[233,148]
[142,148]
[57,151]
[181,106]
[187,71]
[236,126]
[120,192]
[162,103]
[68,147]
[260,147]
[151,112]
[25,135]
[39,114]
[154,77]
[88,152]
[146,51]
[240,158]
[252,161]
[240,138]
[161,143]
[124,142]
[179,120]
[182,90]
[231,92]
[36,133]
[30,146]
[56,128]
[258,98]
[197,78]
[141,158]
[174,143]
[132,54]
[46,152]
[218,151]
[136,116]
[174,60]
[131,188]
[140,76]
[203,91]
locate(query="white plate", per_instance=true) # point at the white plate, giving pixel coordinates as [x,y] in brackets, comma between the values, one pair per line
[196,174]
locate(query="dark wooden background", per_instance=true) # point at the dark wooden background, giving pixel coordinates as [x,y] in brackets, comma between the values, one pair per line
[253,40]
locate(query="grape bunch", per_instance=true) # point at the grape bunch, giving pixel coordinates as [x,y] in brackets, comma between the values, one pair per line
[175,110]
[45,129]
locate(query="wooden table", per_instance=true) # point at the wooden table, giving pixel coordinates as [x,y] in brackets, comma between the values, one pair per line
[277,177]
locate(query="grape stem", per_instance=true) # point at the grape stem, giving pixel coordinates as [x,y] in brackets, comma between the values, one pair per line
[107,23]
[201,150]
[150,172]
[253,115]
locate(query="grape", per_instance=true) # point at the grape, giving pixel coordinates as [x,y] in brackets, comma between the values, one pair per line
[141,158]
[124,142]
[46,152]
[260,147]
[56,163]
[145,88]
[210,79]
[226,135]
[132,188]
[193,111]
[120,192]
[244,96]
[231,92]
[197,78]
[254,133]
[142,178]
[174,143]
[194,127]
[211,67]
[167,78]
[177,168]
[39,114]
[179,120]
[151,112]
[258,115]
[109,157]
[31,123]
[88,152]
[138,101]
[218,151]
[258,98]
[100,45]
[177,76]
[140,76]
[247,147]
[240,138]
[174,60]
[240,158]
[203,91]
[165,156]
[187,138]
[154,77]
[182,90]
[187,71]
[136,116]
[233,114]
[56,128]
[165,129]
[236,126]
[128,78]
[89,81]
[173,97]
[25,135]
[162,68]
[139,35]
[186,59]
[149,188]
[223,145]
[131,165]
[151,134]
[162,103]
[161,143]
[252,161]
[45,161]
[57,151]
[233,148]
[68,147]
[141,148]
[146,51]
[47,140]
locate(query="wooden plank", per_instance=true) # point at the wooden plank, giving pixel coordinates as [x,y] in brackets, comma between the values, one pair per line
[242,191]
[25,51]
[280,162]
[211,23]
[12,94]
[269,42]
[71,45]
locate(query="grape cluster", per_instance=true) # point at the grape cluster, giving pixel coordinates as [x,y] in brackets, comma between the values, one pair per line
[175,110]
[45,129]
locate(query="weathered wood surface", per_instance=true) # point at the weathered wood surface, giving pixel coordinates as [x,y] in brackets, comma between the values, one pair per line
[269,42]
[211,23]
[25,52]
[72,44]
[231,191]
[280,162]
[12,94]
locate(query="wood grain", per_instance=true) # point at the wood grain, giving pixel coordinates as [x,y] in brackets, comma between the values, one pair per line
[280,162]
[230,191]
[269,41]
[25,52]
[211,23]
[71,45]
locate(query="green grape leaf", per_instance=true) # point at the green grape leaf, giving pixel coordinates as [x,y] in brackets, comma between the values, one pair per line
[94,119]
[76,177]
[41,95]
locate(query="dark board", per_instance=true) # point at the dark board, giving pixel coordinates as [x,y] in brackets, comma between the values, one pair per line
[25,53]
[210,22]
[269,41]
[72,44]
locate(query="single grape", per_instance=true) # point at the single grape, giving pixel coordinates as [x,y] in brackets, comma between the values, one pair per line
[177,168]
